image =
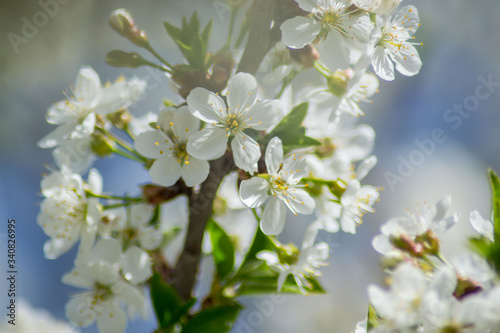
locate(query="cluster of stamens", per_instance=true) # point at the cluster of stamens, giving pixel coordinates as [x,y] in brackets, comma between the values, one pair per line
[397,37]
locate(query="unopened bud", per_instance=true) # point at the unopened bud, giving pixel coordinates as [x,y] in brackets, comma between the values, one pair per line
[466,287]
[119,119]
[122,22]
[117,58]
[305,56]
[337,82]
[430,242]
[101,145]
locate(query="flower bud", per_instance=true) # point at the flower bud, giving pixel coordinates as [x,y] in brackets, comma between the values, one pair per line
[119,119]
[337,82]
[305,56]
[117,58]
[101,145]
[122,22]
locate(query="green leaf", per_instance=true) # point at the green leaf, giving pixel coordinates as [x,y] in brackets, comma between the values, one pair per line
[168,308]
[291,120]
[165,301]
[222,248]
[495,185]
[290,131]
[481,246]
[214,320]
[269,285]
[372,318]
[191,43]
[260,242]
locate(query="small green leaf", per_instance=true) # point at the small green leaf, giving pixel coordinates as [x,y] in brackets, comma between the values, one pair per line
[222,248]
[269,285]
[260,242]
[495,185]
[165,301]
[290,131]
[372,318]
[291,120]
[481,246]
[214,320]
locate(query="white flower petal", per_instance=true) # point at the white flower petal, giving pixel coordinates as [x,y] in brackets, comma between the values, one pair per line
[407,61]
[195,172]
[185,124]
[263,114]
[274,217]
[165,171]
[206,105]
[254,192]
[484,227]
[334,53]
[299,31]
[246,152]
[106,250]
[381,63]
[208,144]
[78,311]
[153,144]
[241,91]
[113,319]
[57,136]
[61,113]
[94,181]
[274,155]
[308,5]
[300,201]
[136,265]
[365,167]
[140,215]
[269,257]
[87,85]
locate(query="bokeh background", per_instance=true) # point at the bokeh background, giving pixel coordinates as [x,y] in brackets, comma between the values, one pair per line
[461,43]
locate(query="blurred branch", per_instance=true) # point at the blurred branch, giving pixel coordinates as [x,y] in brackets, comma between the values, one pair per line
[260,39]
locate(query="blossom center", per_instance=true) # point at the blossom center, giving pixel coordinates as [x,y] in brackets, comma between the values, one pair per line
[102,293]
[233,123]
[181,153]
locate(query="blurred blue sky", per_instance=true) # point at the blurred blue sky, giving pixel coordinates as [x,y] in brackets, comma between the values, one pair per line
[461,42]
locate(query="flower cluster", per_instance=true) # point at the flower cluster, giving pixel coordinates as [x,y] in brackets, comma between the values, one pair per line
[427,293]
[226,165]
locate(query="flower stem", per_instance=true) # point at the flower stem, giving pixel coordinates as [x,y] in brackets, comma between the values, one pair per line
[123,204]
[113,197]
[129,156]
[158,56]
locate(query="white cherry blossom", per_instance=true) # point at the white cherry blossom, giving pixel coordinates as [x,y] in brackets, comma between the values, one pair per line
[392,41]
[102,302]
[67,214]
[167,146]
[76,116]
[281,185]
[310,259]
[243,111]
[333,21]
[358,199]
[426,219]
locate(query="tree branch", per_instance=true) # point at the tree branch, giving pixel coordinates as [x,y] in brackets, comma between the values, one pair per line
[260,40]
